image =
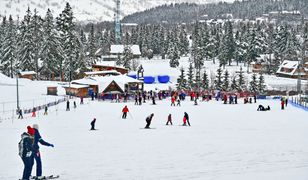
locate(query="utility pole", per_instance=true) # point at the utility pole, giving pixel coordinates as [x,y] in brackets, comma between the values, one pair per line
[117,22]
[17,90]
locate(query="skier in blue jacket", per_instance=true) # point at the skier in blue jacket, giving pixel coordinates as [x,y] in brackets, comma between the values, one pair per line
[37,154]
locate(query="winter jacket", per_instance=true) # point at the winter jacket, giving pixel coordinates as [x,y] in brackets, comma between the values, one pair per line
[27,145]
[186,116]
[125,110]
[38,139]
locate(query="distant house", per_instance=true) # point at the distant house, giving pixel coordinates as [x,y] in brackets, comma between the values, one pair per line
[108,66]
[118,50]
[262,64]
[102,73]
[27,74]
[290,69]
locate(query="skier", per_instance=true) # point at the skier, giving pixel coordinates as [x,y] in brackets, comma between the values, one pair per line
[250,100]
[153,100]
[235,99]
[136,99]
[186,119]
[20,116]
[26,152]
[178,102]
[75,106]
[46,110]
[81,100]
[37,154]
[67,105]
[140,100]
[34,112]
[125,111]
[282,104]
[225,99]
[286,102]
[172,101]
[148,120]
[92,96]
[196,101]
[255,98]
[169,120]
[93,124]
[117,98]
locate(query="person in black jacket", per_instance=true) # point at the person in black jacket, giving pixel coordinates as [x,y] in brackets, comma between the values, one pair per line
[37,155]
[148,120]
[93,124]
[187,118]
[26,152]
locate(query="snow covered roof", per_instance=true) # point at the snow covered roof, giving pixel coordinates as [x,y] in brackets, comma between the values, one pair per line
[104,81]
[286,64]
[119,49]
[27,73]
[75,86]
[102,72]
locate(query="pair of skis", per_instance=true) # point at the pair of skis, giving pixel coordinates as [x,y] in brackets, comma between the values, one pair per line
[45,177]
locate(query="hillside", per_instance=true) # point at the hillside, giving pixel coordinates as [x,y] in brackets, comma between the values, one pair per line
[85,10]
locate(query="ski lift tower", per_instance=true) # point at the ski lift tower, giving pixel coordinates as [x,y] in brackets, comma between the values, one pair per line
[117,23]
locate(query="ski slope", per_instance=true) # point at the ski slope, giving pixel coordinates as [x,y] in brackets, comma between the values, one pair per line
[225,142]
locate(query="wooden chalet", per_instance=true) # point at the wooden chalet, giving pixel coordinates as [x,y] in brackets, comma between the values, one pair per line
[27,74]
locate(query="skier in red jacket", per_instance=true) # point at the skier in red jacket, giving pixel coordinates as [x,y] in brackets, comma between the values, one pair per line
[173,101]
[125,111]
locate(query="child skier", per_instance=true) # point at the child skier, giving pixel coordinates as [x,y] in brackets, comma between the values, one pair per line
[186,119]
[178,102]
[26,152]
[169,120]
[37,154]
[148,121]
[93,124]
[125,111]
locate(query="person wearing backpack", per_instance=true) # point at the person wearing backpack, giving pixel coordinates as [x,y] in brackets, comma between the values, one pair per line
[26,150]
[37,154]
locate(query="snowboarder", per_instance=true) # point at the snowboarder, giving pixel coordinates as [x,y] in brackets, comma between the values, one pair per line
[67,105]
[26,152]
[20,116]
[37,154]
[282,104]
[93,124]
[186,119]
[169,120]
[148,120]
[178,102]
[46,110]
[125,111]
[172,101]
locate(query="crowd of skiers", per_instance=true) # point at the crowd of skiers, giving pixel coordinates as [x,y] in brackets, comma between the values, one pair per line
[29,151]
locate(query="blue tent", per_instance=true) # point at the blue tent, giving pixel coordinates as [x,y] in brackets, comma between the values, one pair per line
[163,79]
[133,76]
[148,79]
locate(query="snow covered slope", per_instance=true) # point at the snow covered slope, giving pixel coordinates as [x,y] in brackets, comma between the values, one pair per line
[85,10]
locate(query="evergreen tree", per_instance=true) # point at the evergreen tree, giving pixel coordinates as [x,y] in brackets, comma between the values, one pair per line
[182,82]
[51,53]
[37,39]
[253,84]
[8,48]
[183,42]
[228,46]
[234,85]
[174,56]
[205,81]
[261,84]
[241,80]
[226,82]
[218,81]
[92,47]
[66,28]
[128,56]
[26,46]
[190,76]
[2,37]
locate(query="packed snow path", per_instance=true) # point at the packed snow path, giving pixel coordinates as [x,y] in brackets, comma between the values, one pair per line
[224,142]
